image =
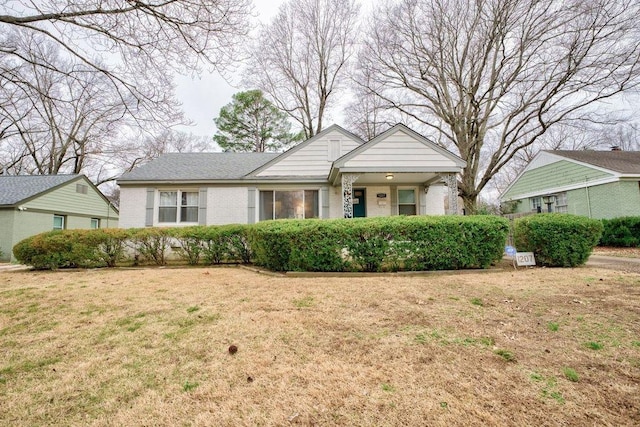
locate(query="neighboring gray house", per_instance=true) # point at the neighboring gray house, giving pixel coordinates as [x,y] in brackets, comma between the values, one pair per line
[335,174]
[32,204]
[597,184]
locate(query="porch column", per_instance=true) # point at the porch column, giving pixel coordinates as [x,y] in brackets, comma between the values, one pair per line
[347,193]
[451,181]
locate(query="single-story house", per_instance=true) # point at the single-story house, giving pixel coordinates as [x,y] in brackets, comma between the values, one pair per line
[32,204]
[334,174]
[596,184]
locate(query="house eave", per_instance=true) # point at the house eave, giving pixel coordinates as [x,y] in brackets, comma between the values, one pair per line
[552,190]
[235,182]
[335,172]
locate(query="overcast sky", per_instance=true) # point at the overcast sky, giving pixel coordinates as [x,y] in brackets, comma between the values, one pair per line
[203,97]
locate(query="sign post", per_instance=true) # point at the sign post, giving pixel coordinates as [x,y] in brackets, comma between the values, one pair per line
[521,259]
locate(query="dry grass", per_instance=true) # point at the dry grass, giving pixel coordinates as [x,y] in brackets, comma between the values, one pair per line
[150,347]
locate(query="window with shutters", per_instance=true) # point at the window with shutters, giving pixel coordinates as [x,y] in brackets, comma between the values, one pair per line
[178,207]
[288,204]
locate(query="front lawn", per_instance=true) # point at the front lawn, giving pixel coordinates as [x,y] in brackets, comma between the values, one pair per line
[151,347]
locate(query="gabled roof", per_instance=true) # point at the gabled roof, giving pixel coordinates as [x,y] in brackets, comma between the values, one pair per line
[342,163]
[615,164]
[18,188]
[303,144]
[198,166]
[399,127]
[624,162]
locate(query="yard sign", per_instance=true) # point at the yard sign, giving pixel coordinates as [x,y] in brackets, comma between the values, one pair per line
[525,258]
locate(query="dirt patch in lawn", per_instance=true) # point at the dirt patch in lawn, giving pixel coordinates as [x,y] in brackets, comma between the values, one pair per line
[151,347]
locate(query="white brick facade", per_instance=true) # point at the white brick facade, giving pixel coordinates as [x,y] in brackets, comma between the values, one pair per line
[228,185]
[227,205]
[132,207]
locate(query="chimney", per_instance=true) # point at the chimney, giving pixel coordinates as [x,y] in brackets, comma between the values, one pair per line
[616,148]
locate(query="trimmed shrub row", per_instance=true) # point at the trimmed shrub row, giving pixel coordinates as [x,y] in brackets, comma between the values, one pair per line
[367,244]
[107,247]
[379,244]
[557,240]
[363,244]
[621,232]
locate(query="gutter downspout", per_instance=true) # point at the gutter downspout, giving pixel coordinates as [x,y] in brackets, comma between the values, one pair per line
[586,188]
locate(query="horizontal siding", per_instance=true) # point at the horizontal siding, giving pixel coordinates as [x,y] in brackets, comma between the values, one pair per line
[312,159]
[6,233]
[605,201]
[65,200]
[400,151]
[614,200]
[553,175]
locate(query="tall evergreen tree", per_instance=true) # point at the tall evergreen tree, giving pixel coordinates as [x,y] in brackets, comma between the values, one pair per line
[252,123]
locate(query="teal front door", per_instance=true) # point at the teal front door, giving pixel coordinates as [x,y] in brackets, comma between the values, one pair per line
[359,203]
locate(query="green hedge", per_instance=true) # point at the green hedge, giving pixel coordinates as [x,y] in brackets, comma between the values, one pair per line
[72,248]
[557,240]
[379,244]
[108,247]
[622,232]
[362,244]
[294,245]
[212,244]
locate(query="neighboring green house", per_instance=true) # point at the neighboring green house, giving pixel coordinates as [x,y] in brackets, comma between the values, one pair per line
[32,204]
[596,184]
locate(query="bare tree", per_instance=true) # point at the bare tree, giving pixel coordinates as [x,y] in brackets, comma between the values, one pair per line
[61,118]
[624,136]
[58,122]
[490,77]
[139,149]
[367,115]
[73,122]
[135,44]
[299,60]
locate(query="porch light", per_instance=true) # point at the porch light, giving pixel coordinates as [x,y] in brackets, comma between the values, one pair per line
[389,176]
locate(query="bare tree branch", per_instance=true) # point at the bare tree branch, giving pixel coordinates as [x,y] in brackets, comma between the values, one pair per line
[300,59]
[492,77]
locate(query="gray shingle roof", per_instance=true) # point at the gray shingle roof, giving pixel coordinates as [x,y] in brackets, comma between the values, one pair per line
[626,162]
[198,166]
[14,189]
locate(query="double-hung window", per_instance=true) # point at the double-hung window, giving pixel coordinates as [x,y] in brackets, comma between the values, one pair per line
[407,202]
[288,204]
[178,206]
[561,202]
[536,204]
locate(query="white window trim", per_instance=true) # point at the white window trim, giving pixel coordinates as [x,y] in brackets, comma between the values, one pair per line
[534,208]
[64,222]
[178,192]
[416,199]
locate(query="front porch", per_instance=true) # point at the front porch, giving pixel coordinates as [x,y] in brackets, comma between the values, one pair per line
[370,194]
[401,160]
